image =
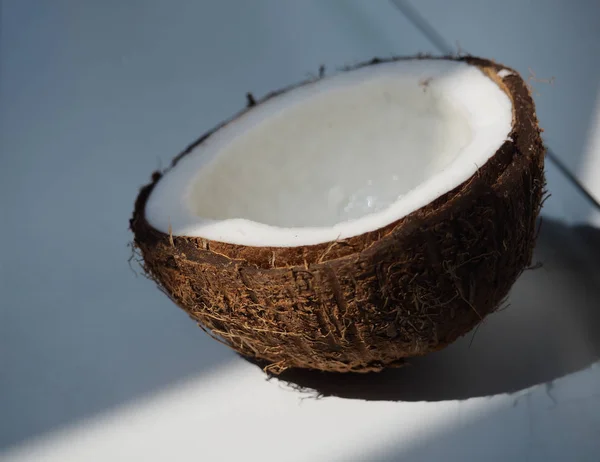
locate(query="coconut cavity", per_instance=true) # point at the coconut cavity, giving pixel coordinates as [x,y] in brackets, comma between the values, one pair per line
[337,157]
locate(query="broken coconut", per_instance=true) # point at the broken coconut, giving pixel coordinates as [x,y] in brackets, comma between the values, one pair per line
[351,221]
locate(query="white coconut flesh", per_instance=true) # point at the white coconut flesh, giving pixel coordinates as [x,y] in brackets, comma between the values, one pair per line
[336,158]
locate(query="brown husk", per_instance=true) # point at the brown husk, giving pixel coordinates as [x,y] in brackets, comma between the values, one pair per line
[367,302]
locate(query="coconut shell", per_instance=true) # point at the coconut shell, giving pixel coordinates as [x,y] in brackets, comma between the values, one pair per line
[370,301]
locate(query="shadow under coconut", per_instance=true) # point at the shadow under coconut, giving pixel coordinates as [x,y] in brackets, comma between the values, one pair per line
[550,328]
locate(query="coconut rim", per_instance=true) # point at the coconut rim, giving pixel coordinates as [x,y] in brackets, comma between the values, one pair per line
[254,234]
[519,154]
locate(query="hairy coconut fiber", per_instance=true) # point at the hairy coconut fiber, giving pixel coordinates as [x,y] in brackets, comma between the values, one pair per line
[369,301]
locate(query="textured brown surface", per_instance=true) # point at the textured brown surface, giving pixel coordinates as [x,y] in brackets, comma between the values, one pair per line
[369,301]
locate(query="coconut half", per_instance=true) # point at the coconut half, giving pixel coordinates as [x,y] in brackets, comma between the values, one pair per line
[352,221]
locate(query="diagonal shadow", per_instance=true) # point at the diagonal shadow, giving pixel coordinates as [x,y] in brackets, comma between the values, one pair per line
[550,329]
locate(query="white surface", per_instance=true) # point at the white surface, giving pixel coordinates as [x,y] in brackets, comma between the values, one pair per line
[547,41]
[97,364]
[234,414]
[590,165]
[267,178]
